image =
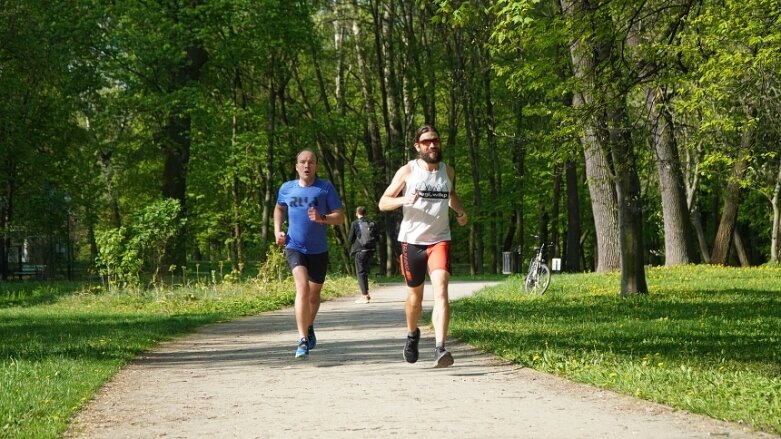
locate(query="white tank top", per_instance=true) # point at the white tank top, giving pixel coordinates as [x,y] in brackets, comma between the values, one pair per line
[426,221]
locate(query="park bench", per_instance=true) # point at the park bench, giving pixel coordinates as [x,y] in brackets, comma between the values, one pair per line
[31,271]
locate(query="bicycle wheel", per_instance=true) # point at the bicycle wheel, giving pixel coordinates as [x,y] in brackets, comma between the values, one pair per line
[538,281]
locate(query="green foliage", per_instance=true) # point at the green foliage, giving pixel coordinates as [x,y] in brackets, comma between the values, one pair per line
[89,89]
[122,252]
[274,268]
[111,260]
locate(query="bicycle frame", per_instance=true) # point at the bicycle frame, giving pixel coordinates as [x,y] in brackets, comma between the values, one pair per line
[538,279]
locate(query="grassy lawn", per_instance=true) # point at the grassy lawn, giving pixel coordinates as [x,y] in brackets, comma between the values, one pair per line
[706,339]
[61,342]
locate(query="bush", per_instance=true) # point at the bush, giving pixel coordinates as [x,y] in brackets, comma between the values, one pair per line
[123,252]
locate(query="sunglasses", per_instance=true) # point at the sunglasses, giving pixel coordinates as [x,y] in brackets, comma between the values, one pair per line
[428,142]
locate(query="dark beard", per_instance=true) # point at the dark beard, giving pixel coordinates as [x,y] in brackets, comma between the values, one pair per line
[432,157]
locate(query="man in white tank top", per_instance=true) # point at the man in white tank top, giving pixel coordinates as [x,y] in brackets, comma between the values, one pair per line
[425,189]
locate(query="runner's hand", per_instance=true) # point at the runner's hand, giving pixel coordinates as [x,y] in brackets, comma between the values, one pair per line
[462,220]
[410,198]
[316,216]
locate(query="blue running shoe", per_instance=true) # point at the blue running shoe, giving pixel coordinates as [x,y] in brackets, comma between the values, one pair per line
[311,339]
[302,352]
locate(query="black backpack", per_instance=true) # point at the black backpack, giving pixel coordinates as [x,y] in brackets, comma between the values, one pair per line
[367,233]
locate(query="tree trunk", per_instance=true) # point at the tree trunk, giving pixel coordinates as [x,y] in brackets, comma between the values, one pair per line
[775,254]
[473,145]
[519,160]
[415,28]
[677,229]
[238,238]
[266,197]
[107,170]
[600,181]
[237,255]
[554,214]
[543,226]
[373,142]
[630,206]
[700,231]
[6,213]
[393,102]
[176,150]
[692,177]
[494,174]
[740,249]
[572,260]
[90,220]
[176,143]
[731,200]
[604,204]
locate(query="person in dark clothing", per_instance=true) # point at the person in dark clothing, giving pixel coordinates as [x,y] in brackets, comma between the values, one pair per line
[362,238]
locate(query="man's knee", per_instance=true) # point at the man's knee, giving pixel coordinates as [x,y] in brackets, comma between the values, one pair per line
[439,277]
[415,293]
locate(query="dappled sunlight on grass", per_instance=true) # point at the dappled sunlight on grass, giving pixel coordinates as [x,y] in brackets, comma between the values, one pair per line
[702,338]
[61,341]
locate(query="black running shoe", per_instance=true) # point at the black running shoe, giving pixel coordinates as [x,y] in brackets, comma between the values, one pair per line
[411,347]
[442,358]
[311,338]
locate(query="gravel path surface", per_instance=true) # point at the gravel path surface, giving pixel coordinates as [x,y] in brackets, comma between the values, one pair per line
[239,380]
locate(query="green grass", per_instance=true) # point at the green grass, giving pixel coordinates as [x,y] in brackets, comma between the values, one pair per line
[61,342]
[706,339]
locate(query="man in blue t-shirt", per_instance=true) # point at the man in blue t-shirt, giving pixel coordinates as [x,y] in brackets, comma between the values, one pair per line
[311,204]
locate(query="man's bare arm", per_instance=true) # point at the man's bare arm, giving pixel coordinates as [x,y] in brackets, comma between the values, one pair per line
[279,218]
[455,201]
[390,199]
[335,217]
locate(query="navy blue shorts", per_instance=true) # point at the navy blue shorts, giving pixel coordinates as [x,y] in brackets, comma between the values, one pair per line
[316,264]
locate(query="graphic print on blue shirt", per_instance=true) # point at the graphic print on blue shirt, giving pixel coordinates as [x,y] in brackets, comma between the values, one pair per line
[303,234]
[302,202]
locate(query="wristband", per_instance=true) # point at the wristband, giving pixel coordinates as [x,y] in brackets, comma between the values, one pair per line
[322,217]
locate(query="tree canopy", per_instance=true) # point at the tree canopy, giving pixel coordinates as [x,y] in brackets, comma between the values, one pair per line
[624,133]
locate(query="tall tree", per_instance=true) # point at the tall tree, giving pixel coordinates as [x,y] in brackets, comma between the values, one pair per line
[731,51]
[731,199]
[158,55]
[586,54]
[45,66]
[675,210]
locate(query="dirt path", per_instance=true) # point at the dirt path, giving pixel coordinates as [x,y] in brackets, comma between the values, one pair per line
[239,380]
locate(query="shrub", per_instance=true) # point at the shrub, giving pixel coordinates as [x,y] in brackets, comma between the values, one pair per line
[123,252]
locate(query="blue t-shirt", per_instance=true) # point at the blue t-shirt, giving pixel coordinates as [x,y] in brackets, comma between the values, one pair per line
[303,234]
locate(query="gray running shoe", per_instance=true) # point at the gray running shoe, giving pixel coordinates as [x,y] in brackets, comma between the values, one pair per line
[411,347]
[443,358]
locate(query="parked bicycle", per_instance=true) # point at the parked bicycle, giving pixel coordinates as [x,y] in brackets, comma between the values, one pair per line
[538,279]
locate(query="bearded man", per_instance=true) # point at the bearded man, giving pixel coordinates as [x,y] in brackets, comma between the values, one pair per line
[425,190]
